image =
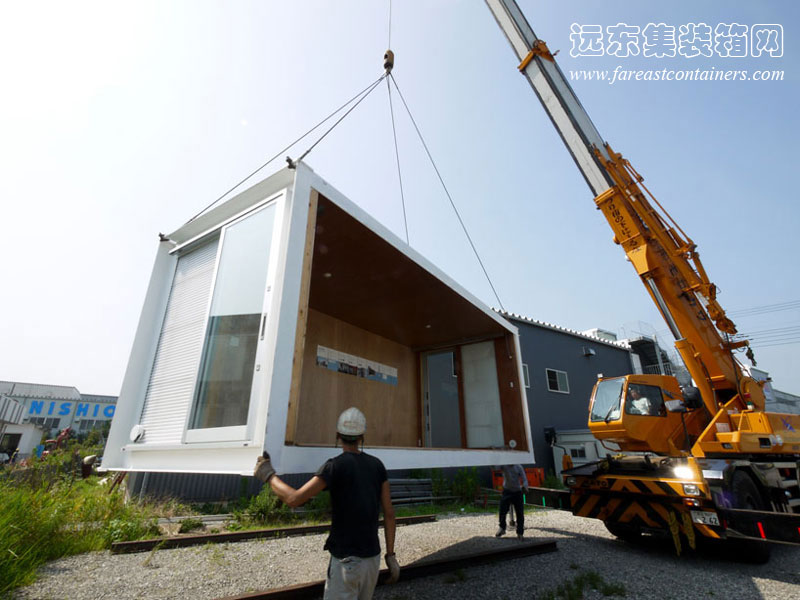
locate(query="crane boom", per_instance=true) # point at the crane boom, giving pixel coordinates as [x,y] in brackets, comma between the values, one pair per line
[664,257]
[707,460]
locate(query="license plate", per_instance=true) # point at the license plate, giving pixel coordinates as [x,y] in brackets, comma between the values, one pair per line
[705,518]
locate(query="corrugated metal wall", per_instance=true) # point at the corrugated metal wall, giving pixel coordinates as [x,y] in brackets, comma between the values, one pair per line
[201,487]
[11,411]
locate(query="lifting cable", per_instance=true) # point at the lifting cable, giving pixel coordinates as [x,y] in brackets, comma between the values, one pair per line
[360,96]
[397,157]
[388,65]
[446,191]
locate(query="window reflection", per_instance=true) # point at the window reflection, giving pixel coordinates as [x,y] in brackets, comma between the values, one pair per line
[229,351]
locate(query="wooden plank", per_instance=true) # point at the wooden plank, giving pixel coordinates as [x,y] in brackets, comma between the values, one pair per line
[302,318]
[510,393]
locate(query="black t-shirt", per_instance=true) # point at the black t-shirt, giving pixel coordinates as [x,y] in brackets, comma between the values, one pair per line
[355,481]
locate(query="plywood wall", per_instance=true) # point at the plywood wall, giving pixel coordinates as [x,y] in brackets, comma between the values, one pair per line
[510,394]
[392,411]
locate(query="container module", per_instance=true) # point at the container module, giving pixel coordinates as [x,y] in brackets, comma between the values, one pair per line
[268,315]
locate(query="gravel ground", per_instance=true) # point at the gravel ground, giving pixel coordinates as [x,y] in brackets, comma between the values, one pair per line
[647,570]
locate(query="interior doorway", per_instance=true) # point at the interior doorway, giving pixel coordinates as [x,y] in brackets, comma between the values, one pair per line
[442,406]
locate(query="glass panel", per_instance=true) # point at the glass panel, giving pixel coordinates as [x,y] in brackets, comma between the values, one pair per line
[607,394]
[229,351]
[563,385]
[481,396]
[644,400]
[552,380]
[443,411]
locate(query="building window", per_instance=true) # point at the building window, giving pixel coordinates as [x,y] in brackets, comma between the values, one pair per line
[526,378]
[577,452]
[557,381]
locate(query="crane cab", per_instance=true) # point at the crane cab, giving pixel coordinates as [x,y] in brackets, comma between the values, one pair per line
[636,413]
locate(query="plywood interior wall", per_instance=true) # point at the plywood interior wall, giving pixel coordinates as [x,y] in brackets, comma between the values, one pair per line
[510,392]
[392,411]
[363,297]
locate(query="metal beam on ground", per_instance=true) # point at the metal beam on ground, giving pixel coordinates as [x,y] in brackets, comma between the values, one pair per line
[238,536]
[424,568]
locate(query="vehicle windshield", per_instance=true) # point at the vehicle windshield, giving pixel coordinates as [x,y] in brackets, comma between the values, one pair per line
[606,403]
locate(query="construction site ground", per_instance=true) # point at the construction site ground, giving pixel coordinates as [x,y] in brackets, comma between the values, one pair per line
[586,553]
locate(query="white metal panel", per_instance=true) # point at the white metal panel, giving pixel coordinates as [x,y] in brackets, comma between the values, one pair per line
[11,411]
[481,396]
[557,96]
[172,380]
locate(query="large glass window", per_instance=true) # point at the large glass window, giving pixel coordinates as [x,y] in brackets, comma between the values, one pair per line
[222,397]
[607,395]
[644,400]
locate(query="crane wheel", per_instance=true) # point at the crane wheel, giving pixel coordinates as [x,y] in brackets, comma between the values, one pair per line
[624,531]
[745,494]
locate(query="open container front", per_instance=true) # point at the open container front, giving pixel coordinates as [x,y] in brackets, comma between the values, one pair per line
[269,315]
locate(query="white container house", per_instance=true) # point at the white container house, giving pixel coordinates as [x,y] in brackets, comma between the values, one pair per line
[270,314]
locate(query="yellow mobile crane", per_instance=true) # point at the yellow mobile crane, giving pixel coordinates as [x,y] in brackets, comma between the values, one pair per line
[705,460]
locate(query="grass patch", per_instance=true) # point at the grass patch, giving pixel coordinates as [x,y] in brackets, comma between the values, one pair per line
[585,580]
[190,524]
[49,512]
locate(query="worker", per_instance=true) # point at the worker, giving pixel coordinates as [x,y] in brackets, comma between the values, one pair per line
[638,404]
[515,484]
[358,486]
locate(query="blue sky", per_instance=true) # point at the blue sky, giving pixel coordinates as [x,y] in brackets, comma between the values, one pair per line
[120,120]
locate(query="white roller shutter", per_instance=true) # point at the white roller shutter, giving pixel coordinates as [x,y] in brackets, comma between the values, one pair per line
[169,392]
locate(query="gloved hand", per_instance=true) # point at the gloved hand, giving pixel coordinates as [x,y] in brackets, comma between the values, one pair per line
[264,470]
[394,568]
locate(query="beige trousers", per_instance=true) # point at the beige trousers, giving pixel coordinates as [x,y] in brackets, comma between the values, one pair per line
[352,578]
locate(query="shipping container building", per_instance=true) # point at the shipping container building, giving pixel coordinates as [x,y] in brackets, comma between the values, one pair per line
[269,314]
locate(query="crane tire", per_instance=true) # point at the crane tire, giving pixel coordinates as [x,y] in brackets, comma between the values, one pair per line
[745,494]
[624,531]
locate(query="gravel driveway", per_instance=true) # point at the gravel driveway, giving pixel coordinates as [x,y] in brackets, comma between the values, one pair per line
[647,570]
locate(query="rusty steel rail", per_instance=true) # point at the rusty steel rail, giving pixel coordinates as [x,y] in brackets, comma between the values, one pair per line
[424,568]
[238,536]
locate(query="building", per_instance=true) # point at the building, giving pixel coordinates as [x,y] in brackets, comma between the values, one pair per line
[55,407]
[560,367]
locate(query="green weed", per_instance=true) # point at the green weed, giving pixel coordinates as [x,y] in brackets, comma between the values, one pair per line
[189,524]
[574,589]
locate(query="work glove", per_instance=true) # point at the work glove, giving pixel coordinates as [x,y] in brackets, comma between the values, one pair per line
[394,568]
[264,470]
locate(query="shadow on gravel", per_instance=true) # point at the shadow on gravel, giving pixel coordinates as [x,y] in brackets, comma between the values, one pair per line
[479,544]
[709,556]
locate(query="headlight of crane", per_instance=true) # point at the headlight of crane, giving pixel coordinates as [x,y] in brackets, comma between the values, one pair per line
[683,472]
[690,489]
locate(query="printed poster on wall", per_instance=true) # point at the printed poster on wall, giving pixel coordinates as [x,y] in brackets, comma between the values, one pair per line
[341,362]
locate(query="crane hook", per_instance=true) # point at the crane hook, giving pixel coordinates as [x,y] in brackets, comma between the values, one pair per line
[388,61]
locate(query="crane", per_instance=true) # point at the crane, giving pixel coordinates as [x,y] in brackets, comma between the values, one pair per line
[703,459]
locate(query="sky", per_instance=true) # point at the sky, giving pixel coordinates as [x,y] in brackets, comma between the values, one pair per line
[122,120]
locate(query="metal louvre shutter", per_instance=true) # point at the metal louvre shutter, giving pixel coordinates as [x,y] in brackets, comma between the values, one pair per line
[169,392]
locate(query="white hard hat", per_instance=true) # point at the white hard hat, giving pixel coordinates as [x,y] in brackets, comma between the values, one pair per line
[352,423]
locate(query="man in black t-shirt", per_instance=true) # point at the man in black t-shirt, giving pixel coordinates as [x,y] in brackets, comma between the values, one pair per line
[359,488]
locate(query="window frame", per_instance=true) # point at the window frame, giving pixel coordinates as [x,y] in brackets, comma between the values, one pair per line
[526,376]
[577,452]
[238,434]
[547,379]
